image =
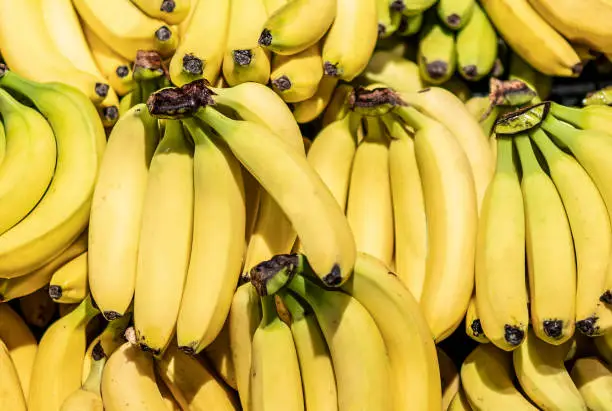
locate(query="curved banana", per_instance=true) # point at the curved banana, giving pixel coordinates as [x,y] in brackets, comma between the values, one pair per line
[473,325]
[111,338]
[476,46]
[350,41]
[370,194]
[170,11]
[193,386]
[395,71]
[316,367]
[389,19]
[594,381]
[63,212]
[117,208]
[501,288]
[309,205]
[541,372]
[596,117]
[194,58]
[528,34]
[486,377]
[12,396]
[296,77]
[88,397]
[297,25]
[29,161]
[456,13]
[69,282]
[437,55]
[308,110]
[62,348]
[448,189]
[167,224]
[21,345]
[38,309]
[219,354]
[449,377]
[415,377]
[409,218]
[276,383]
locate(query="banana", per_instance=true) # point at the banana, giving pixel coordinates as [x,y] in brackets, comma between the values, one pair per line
[219,355]
[28,283]
[448,189]
[63,212]
[29,161]
[21,345]
[109,109]
[299,191]
[415,377]
[167,224]
[596,117]
[473,325]
[125,28]
[550,251]
[111,338]
[167,396]
[170,11]
[449,377]
[297,25]
[273,5]
[501,289]
[51,65]
[193,386]
[316,367]
[395,71]
[217,244]
[117,208]
[337,108]
[182,26]
[69,282]
[296,77]
[603,344]
[437,55]
[438,103]
[411,7]
[115,68]
[308,110]
[528,34]
[331,155]
[486,377]
[459,402]
[244,318]
[2,144]
[408,209]
[88,397]
[244,59]
[11,397]
[61,348]
[590,226]
[476,46]
[599,97]
[410,25]
[350,41]
[194,58]
[594,381]
[388,19]
[370,194]
[456,14]
[128,381]
[541,372]
[38,309]
[276,383]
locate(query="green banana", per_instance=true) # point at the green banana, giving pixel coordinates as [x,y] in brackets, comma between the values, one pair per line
[437,55]
[476,46]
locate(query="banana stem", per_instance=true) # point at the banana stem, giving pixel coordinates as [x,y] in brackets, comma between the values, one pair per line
[374,130]
[270,276]
[220,123]
[547,147]
[296,309]
[94,379]
[268,309]
[395,128]
[7,103]
[559,130]
[529,161]
[570,115]
[505,155]
[413,117]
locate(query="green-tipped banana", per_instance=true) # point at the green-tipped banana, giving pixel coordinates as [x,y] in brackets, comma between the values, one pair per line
[476,46]
[410,25]
[88,397]
[455,14]
[437,56]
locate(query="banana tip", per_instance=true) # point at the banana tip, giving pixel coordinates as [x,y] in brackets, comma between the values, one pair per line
[167,6]
[101,89]
[265,38]
[55,292]
[513,335]
[242,57]
[553,328]
[588,326]
[192,64]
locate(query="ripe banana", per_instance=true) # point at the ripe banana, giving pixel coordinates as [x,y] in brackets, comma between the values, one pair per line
[29,160]
[12,396]
[541,372]
[276,383]
[316,367]
[550,251]
[528,34]
[594,381]
[170,11]
[486,377]
[448,189]
[501,288]
[370,194]
[61,348]
[244,60]
[69,282]
[194,58]
[460,402]
[117,208]
[414,373]
[111,338]
[128,381]
[244,318]
[473,325]
[455,14]
[298,190]
[219,355]
[21,345]
[395,71]
[297,25]
[38,309]
[596,117]
[350,41]
[437,56]
[63,212]
[449,377]
[476,46]
[590,226]
[218,241]
[296,77]
[167,224]
[88,397]
[408,209]
[308,110]
[193,386]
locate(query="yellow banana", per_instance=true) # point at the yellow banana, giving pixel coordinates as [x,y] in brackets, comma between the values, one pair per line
[456,13]
[449,377]
[219,354]
[460,402]
[38,309]
[170,11]
[167,396]
[437,55]
[109,109]
[88,397]
[111,338]
[308,110]
[395,71]
[476,46]
[594,381]
[69,282]
[117,208]
[11,397]
[473,325]
[296,77]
